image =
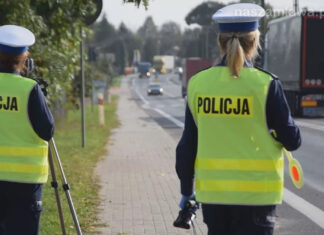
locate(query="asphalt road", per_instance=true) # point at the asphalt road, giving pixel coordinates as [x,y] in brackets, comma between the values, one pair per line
[302,211]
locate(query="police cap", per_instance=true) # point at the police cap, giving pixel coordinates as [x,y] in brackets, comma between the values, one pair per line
[239,17]
[15,39]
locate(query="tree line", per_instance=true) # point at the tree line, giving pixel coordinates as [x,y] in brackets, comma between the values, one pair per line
[59,27]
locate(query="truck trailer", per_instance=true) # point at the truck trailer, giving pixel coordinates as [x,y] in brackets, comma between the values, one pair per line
[295,53]
[168,60]
[191,66]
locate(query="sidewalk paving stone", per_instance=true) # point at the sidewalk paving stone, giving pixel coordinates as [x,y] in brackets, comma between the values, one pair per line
[140,191]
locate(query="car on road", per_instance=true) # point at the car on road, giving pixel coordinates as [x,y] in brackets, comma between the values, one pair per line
[154,89]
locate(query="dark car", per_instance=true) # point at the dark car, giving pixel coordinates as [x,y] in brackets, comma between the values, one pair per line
[154,89]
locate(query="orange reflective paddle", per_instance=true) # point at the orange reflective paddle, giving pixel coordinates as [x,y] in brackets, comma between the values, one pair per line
[295,170]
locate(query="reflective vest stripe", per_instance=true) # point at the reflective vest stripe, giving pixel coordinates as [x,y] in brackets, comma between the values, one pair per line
[23,151]
[239,174]
[239,198]
[239,186]
[239,164]
[23,168]
[27,177]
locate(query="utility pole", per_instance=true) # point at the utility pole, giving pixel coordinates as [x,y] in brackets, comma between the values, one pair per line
[82,90]
[296,6]
[263,29]
[263,20]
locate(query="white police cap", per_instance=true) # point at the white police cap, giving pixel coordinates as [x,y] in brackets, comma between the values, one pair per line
[15,39]
[239,17]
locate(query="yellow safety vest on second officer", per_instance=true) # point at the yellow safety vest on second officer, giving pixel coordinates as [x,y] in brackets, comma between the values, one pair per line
[23,154]
[238,162]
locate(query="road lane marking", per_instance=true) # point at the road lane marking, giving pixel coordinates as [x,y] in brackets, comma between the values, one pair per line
[312,212]
[146,103]
[310,125]
[169,117]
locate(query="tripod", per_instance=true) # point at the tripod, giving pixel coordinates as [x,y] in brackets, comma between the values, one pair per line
[53,150]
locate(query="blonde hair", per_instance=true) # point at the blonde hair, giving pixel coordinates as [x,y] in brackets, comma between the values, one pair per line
[238,46]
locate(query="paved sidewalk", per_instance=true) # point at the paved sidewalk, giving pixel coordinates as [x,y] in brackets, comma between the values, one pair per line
[140,189]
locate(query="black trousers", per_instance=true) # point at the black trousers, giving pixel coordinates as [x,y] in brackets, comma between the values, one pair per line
[239,220]
[20,208]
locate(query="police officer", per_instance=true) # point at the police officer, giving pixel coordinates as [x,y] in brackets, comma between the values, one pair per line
[26,124]
[236,126]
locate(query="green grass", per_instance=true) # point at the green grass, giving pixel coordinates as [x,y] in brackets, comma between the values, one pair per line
[78,164]
[116,81]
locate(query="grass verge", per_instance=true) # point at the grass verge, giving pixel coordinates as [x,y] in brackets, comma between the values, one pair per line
[116,81]
[78,164]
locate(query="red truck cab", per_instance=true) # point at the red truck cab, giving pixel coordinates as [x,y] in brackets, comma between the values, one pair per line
[191,66]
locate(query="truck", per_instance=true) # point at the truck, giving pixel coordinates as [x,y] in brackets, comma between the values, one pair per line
[294,52]
[191,66]
[168,62]
[144,69]
[159,65]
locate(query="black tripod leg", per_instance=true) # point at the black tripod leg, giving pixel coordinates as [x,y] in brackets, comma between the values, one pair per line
[66,189]
[57,195]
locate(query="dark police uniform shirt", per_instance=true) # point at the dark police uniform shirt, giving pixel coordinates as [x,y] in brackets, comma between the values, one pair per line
[278,119]
[39,114]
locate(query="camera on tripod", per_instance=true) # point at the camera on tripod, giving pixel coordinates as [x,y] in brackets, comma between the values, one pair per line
[186,215]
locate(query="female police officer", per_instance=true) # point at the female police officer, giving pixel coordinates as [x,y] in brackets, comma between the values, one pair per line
[26,124]
[227,145]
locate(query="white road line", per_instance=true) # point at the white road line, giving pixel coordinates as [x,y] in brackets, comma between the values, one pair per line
[310,125]
[304,207]
[139,94]
[168,116]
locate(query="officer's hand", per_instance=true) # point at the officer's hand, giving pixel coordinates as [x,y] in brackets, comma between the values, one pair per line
[184,199]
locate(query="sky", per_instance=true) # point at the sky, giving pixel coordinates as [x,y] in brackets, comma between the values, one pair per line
[176,10]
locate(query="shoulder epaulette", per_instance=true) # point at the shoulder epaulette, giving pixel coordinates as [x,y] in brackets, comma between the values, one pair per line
[275,77]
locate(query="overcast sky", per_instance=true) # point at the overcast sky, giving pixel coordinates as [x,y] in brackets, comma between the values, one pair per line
[176,10]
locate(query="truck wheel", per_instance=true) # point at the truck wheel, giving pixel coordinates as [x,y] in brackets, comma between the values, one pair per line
[183,92]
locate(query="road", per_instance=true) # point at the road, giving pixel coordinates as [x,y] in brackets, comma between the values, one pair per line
[302,211]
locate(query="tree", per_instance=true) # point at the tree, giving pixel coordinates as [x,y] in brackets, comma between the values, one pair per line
[132,41]
[202,14]
[56,25]
[148,33]
[170,38]
[148,29]
[190,43]
[103,31]
[138,2]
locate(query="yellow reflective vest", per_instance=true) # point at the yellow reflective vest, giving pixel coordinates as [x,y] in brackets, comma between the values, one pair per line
[237,162]
[23,154]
